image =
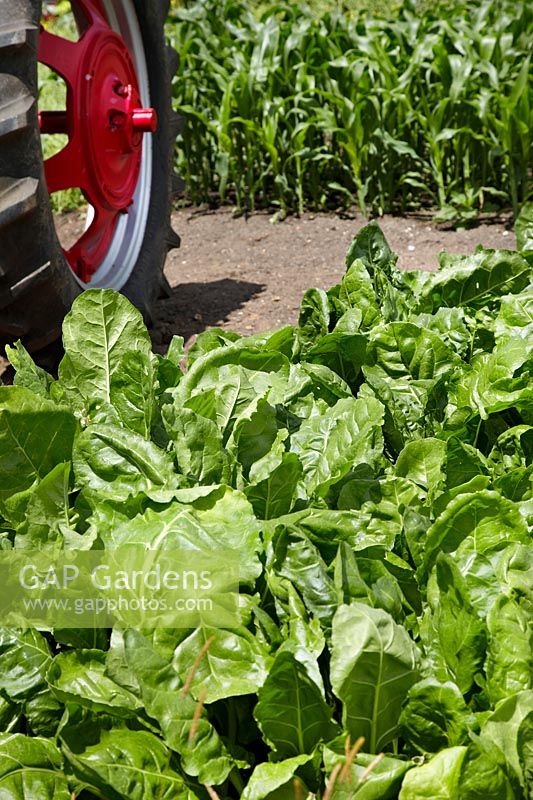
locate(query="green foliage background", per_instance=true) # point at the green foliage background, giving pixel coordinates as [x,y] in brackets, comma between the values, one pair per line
[307,105]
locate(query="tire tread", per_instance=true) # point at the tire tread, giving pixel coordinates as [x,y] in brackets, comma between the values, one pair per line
[15,103]
[18,196]
[14,33]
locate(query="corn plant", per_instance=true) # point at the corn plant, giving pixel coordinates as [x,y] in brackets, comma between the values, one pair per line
[287,105]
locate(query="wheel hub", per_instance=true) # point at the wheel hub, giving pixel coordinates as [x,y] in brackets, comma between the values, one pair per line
[108,138]
[105,122]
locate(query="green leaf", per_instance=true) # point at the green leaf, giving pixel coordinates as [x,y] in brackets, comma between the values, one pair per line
[209,340]
[10,715]
[221,520]
[496,381]
[487,517]
[516,485]
[197,443]
[235,663]
[513,449]
[525,749]
[330,444]
[254,434]
[373,665]
[327,528]
[118,462]
[356,291]
[401,349]
[497,571]
[373,249]
[435,716]
[302,637]
[349,582]
[24,660]
[263,468]
[176,350]
[121,763]
[82,638]
[79,677]
[35,436]
[389,287]
[516,570]
[43,713]
[382,503]
[297,560]
[275,495]
[222,383]
[485,775]
[382,783]
[502,729]
[291,711]
[461,633]
[342,351]
[509,665]
[515,317]
[100,329]
[31,768]
[28,374]
[474,281]
[169,371]
[325,384]
[409,405]
[203,756]
[524,228]
[41,514]
[269,777]
[132,391]
[313,322]
[439,778]
[423,462]
[463,463]
[454,327]
[370,580]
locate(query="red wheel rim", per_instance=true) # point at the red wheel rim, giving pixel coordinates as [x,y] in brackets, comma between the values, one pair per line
[105,123]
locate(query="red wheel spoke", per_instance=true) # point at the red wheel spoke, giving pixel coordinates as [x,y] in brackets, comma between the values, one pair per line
[89,11]
[65,170]
[53,122]
[60,55]
[89,251]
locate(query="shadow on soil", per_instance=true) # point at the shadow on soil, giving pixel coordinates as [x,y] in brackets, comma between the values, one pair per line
[190,309]
[193,307]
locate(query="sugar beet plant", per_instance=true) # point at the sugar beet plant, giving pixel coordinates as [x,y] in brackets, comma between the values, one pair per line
[295,108]
[371,467]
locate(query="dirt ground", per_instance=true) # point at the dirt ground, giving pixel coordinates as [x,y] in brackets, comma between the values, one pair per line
[249,274]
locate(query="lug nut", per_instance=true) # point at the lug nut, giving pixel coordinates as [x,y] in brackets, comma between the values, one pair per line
[144,120]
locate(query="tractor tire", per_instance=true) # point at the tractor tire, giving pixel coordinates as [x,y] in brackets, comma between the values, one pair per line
[37,282]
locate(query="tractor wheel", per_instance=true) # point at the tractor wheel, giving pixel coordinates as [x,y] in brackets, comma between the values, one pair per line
[119,151]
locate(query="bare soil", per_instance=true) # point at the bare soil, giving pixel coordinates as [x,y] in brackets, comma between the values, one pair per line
[249,275]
